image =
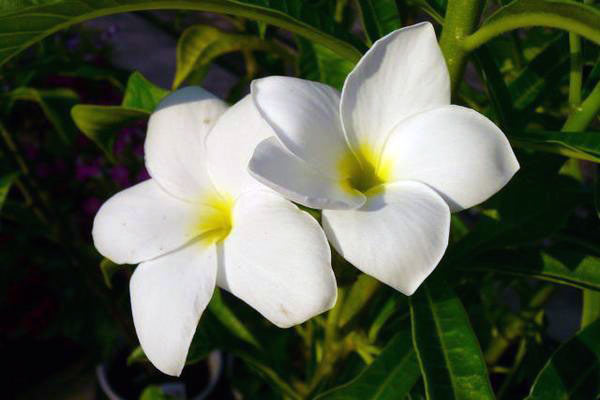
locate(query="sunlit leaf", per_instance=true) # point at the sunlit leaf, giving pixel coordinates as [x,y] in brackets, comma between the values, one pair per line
[25,22]
[448,351]
[573,371]
[391,376]
[101,123]
[199,45]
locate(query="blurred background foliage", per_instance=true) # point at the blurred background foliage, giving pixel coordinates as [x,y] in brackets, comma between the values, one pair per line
[511,312]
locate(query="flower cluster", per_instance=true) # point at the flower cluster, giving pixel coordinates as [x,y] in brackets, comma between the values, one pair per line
[387,160]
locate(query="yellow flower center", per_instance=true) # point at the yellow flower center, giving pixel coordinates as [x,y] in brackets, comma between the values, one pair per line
[364,171]
[215,219]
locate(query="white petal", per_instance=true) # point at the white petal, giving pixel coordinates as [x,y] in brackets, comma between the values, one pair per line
[279,169]
[175,153]
[305,117]
[398,237]
[455,150]
[277,260]
[142,222]
[230,145]
[403,73]
[168,296]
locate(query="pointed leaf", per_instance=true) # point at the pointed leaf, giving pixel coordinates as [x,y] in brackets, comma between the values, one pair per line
[581,145]
[318,63]
[25,22]
[227,317]
[448,351]
[391,376]
[573,371]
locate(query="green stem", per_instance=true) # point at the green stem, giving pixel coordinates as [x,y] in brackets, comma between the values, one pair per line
[585,113]
[460,21]
[575,76]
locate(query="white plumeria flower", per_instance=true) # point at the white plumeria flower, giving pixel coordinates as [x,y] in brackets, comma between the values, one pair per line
[388,161]
[201,221]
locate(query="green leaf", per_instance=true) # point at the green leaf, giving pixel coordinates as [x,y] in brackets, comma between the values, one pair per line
[497,90]
[581,145]
[525,211]
[573,371]
[108,269]
[590,310]
[542,74]
[391,376]
[568,15]
[142,94]
[6,182]
[379,17]
[448,352]
[55,103]
[564,266]
[101,123]
[227,317]
[25,22]
[199,45]
[318,63]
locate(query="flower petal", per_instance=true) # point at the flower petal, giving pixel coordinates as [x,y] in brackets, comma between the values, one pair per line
[230,144]
[142,222]
[168,296]
[279,169]
[403,73]
[175,153]
[455,150]
[398,236]
[305,117]
[277,260]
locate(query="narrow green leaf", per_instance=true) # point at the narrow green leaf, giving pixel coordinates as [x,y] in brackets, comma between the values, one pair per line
[318,63]
[100,123]
[142,94]
[136,356]
[199,45]
[590,310]
[228,318]
[541,75]
[55,103]
[6,182]
[561,265]
[25,22]
[581,145]
[573,371]
[448,351]
[108,269]
[497,89]
[391,376]
[568,15]
[379,17]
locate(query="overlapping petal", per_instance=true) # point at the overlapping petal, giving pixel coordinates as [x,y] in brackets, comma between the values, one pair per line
[402,74]
[455,150]
[305,118]
[398,236]
[168,296]
[230,144]
[277,260]
[174,148]
[295,179]
[142,222]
